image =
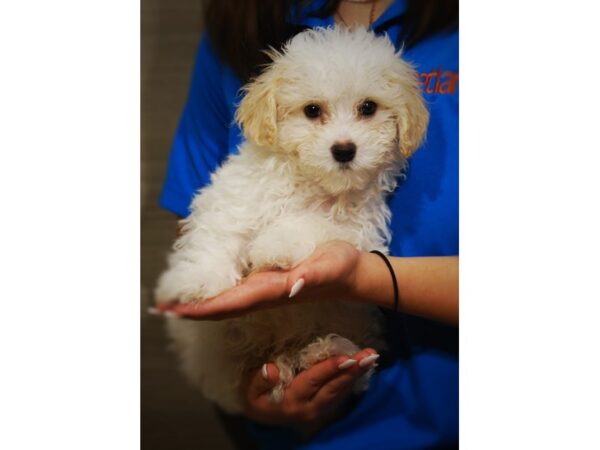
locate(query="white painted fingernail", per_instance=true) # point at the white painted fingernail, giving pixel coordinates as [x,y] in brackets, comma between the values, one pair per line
[264,372]
[171,315]
[368,360]
[347,363]
[299,284]
[154,311]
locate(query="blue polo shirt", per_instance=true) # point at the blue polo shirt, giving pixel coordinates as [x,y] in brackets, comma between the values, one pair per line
[413,399]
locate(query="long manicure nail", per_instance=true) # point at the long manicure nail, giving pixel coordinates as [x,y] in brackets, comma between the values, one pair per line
[264,371]
[346,364]
[368,360]
[299,284]
[154,311]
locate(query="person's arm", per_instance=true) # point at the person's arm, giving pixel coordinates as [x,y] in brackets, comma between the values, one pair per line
[428,286]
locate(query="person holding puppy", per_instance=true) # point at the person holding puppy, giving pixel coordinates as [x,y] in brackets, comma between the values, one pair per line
[413,399]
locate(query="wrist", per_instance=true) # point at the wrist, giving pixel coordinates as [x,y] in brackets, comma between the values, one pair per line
[372,283]
[363,284]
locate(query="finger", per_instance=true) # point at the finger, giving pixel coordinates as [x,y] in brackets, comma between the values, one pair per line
[312,272]
[161,308]
[308,382]
[337,389]
[326,265]
[340,386]
[259,405]
[263,380]
[366,357]
[259,290]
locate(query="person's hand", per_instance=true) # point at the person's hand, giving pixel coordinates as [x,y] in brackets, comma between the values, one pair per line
[330,272]
[314,396]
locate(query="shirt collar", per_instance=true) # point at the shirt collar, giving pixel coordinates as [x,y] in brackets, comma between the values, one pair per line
[306,17]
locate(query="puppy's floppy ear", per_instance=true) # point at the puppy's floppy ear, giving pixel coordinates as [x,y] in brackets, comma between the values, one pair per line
[409,106]
[257,113]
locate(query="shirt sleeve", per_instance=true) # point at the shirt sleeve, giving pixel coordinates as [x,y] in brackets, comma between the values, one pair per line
[201,140]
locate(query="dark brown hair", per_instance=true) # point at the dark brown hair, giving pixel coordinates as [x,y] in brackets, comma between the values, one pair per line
[241,29]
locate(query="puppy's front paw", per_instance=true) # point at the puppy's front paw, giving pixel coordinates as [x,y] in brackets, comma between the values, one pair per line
[270,253]
[186,282]
[288,241]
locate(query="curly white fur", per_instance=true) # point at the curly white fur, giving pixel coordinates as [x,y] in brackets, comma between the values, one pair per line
[284,195]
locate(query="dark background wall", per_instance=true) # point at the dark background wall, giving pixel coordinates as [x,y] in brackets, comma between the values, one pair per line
[173,415]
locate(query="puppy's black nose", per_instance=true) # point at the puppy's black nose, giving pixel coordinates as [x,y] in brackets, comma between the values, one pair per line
[343,151]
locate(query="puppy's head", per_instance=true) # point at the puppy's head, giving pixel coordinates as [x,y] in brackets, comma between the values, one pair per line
[342,105]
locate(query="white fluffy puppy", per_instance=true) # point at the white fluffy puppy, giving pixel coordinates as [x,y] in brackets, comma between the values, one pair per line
[328,126]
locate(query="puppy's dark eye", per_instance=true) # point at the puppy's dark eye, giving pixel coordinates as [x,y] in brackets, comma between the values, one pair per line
[367,108]
[312,111]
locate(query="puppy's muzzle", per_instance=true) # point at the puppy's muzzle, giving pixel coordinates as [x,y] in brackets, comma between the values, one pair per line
[344,151]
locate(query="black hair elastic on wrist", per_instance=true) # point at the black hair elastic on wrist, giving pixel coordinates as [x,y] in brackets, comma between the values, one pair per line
[389,266]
